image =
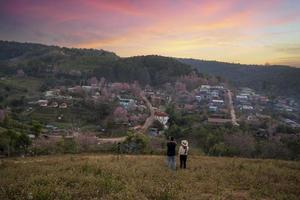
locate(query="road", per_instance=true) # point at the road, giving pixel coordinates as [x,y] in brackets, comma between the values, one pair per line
[111,140]
[232,112]
[144,128]
[150,119]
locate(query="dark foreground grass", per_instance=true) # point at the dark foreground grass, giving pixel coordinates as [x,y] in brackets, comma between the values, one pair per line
[146,177]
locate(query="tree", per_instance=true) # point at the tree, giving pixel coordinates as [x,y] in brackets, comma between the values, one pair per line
[174,131]
[66,145]
[157,124]
[180,87]
[36,128]
[136,89]
[120,115]
[23,142]
[8,141]
[135,143]
[243,144]
[274,149]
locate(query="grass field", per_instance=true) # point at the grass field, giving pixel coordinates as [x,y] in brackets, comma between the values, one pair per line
[146,177]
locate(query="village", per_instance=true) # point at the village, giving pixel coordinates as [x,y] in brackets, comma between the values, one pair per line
[143,110]
[253,108]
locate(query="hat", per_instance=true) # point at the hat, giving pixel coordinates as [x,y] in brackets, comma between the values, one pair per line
[184,142]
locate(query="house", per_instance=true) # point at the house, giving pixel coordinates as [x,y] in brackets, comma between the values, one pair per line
[291,123]
[49,93]
[218,102]
[214,94]
[242,99]
[213,108]
[205,86]
[252,119]
[199,98]
[261,116]
[126,102]
[263,99]
[31,136]
[52,93]
[49,126]
[72,89]
[63,105]
[162,117]
[43,103]
[246,107]
[248,91]
[219,87]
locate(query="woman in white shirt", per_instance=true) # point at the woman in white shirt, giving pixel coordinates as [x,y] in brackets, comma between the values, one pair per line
[183,153]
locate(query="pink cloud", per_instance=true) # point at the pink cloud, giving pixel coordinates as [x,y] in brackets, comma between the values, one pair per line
[138,24]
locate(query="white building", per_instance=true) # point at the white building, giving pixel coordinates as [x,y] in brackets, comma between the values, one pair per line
[162,117]
[218,102]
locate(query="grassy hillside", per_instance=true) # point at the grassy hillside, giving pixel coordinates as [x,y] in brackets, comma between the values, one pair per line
[146,177]
[278,80]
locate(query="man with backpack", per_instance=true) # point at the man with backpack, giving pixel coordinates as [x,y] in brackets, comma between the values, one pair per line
[171,152]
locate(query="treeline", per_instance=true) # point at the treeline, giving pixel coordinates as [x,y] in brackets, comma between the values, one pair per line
[14,136]
[152,70]
[79,64]
[228,140]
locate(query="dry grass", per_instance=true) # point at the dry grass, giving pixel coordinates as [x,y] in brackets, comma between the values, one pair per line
[146,177]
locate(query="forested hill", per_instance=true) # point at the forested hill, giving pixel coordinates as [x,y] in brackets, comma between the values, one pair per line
[31,55]
[40,60]
[274,80]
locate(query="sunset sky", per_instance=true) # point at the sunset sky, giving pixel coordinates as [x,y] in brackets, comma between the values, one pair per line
[243,31]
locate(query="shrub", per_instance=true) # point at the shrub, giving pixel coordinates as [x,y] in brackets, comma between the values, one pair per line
[135,143]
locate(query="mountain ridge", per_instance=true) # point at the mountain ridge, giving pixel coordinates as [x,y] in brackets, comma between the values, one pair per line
[148,69]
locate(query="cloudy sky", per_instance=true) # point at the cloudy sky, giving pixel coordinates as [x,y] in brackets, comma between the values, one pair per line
[243,31]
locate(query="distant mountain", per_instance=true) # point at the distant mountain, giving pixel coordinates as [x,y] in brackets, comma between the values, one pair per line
[273,80]
[39,60]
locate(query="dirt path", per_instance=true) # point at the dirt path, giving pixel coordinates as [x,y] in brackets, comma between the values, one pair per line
[150,119]
[111,140]
[232,112]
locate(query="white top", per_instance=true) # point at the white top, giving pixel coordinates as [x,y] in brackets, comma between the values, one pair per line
[183,151]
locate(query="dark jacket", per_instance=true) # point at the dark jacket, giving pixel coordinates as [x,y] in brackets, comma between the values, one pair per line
[171,148]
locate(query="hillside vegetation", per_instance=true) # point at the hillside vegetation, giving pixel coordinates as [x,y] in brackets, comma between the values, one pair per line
[31,55]
[76,64]
[273,80]
[146,177]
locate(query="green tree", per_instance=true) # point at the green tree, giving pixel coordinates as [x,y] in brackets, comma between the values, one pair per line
[8,140]
[22,142]
[157,124]
[36,128]
[135,143]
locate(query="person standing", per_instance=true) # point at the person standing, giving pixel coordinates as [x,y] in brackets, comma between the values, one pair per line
[183,153]
[171,146]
